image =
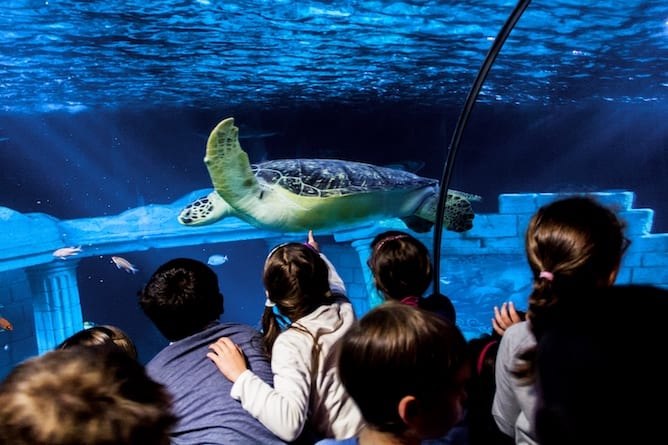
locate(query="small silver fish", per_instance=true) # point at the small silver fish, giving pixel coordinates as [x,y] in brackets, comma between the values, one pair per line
[65,252]
[217,260]
[122,263]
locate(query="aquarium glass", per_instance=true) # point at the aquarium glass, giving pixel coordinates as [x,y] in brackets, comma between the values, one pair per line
[106,108]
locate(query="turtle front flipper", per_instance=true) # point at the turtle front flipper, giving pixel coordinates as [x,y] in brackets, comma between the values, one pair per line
[205,210]
[458,215]
[230,169]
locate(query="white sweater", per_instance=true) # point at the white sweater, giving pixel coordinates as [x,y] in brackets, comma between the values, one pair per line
[285,408]
[514,403]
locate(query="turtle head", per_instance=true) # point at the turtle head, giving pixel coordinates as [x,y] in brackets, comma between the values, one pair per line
[205,210]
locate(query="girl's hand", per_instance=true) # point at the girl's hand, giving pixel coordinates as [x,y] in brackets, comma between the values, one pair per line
[312,242]
[228,357]
[505,317]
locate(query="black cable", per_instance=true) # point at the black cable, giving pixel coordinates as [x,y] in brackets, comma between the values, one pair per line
[459,129]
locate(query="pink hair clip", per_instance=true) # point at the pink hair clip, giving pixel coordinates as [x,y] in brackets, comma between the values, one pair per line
[549,276]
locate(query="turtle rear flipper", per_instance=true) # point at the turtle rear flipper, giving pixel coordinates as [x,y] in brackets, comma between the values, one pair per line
[458,215]
[205,210]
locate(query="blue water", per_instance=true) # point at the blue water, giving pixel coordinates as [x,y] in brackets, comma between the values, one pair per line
[105,106]
[76,56]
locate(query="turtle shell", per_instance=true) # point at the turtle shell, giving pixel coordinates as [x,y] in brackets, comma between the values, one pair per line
[333,177]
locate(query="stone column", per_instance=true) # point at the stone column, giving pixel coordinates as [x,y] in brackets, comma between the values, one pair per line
[56,304]
[363,249]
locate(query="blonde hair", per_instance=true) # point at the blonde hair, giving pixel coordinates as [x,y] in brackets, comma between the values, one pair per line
[101,335]
[97,395]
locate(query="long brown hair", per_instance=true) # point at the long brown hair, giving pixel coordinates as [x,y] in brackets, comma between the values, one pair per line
[297,283]
[572,246]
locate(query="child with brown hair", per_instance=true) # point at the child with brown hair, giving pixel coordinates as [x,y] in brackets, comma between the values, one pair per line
[306,313]
[407,369]
[402,271]
[573,245]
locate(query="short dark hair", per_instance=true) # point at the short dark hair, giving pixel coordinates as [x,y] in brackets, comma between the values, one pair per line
[182,297]
[396,350]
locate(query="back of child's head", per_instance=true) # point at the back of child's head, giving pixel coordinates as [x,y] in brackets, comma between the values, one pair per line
[101,335]
[95,395]
[441,305]
[182,297]
[296,279]
[572,245]
[400,264]
[395,351]
[599,373]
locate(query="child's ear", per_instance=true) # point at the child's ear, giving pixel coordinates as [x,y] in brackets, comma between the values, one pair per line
[613,276]
[409,411]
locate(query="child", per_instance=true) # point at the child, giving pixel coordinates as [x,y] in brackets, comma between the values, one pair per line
[94,395]
[402,271]
[406,368]
[101,335]
[573,245]
[308,400]
[183,299]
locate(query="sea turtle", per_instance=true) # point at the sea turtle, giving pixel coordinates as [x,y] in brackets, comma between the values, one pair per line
[295,195]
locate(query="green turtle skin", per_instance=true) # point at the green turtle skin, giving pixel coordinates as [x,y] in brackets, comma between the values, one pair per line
[297,195]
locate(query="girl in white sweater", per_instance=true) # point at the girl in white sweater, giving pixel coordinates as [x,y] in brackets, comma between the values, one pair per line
[306,312]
